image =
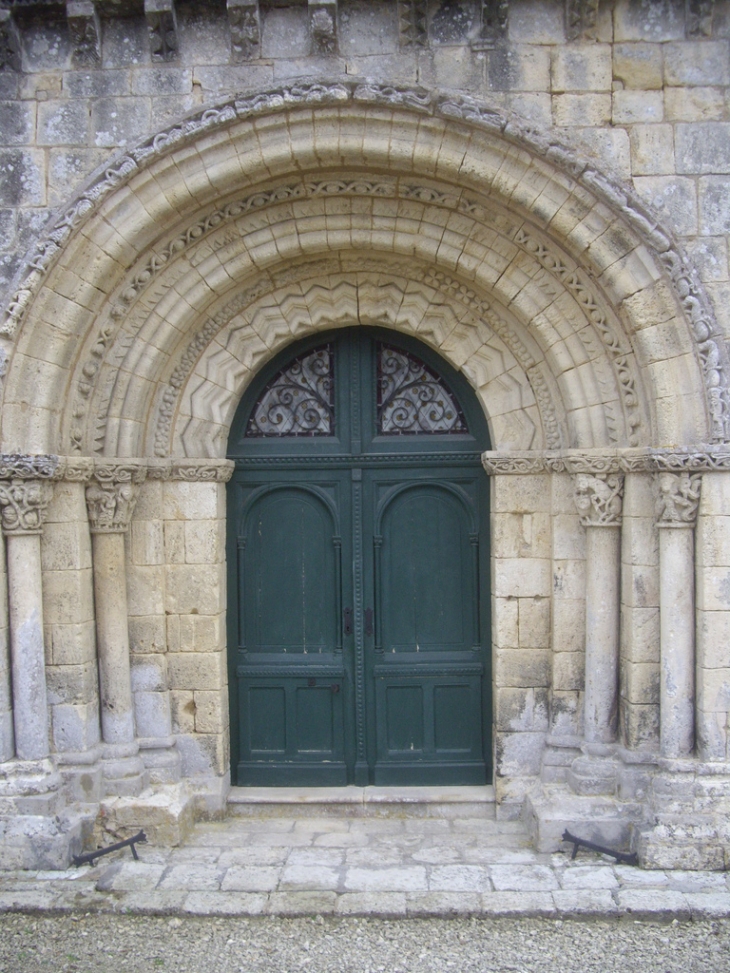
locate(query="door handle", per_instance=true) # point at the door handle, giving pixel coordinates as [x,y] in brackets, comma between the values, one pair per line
[347,621]
[368,621]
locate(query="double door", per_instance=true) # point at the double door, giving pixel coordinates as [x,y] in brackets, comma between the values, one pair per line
[358,615]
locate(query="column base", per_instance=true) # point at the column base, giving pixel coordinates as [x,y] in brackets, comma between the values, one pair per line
[560,752]
[123,770]
[161,759]
[30,787]
[603,820]
[81,776]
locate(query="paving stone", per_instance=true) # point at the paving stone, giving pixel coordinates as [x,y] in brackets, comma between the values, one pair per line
[697,881]
[225,904]
[708,905]
[259,855]
[384,904]
[250,878]
[148,903]
[518,904]
[589,877]
[131,876]
[436,856]
[630,877]
[459,878]
[528,878]
[654,903]
[388,879]
[309,877]
[301,903]
[194,878]
[316,856]
[598,902]
[443,903]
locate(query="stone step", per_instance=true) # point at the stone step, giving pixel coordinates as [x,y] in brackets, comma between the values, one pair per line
[384,802]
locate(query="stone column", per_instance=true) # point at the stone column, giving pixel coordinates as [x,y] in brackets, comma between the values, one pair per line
[7,737]
[110,499]
[677,500]
[599,501]
[24,504]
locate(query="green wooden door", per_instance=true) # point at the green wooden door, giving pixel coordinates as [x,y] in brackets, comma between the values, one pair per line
[358,586]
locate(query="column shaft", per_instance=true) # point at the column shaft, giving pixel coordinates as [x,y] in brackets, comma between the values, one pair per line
[110,601]
[30,704]
[7,737]
[677,685]
[602,633]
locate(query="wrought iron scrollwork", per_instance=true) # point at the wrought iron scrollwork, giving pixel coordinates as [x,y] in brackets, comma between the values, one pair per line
[412,399]
[299,400]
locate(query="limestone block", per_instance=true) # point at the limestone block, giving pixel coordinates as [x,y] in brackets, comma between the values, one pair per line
[640,682]
[648,20]
[712,734]
[713,690]
[568,625]
[210,712]
[17,122]
[71,644]
[581,68]
[694,104]
[152,714]
[537,22]
[714,204]
[568,671]
[697,63]
[66,547]
[22,177]
[568,581]
[703,147]
[505,614]
[368,29]
[149,673]
[230,78]
[75,726]
[119,121]
[713,639]
[285,33]
[72,684]
[652,149]
[205,542]
[639,542]
[518,68]
[634,107]
[197,671]
[521,709]
[174,534]
[67,597]
[96,84]
[63,122]
[534,623]
[125,42]
[638,66]
[674,198]
[521,535]
[145,589]
[193,589]
[459,66]
[581,109]
[715,498]
[640,634]
[147,634]
[519,754]
[713,542]
[640,586]
[522,577]
[193,501]
[203,754]
[147,542]
[709,255]
[521,494]
[566,713]
[149,500]
[206,633]
[182,705]
[611,145]
[157,81]
[521,667]
[568,537]
[713,589]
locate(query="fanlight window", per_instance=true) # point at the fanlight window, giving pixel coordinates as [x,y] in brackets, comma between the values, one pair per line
[299,400]
[412,399]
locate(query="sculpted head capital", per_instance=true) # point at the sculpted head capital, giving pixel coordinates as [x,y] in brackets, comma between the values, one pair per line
[23,505]
[677,498]
[599,498]
[111,496]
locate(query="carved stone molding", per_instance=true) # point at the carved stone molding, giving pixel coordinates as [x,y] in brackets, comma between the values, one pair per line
[413,23]
[599,499]
[30,467]
[191,470]
[677,498]
[244,21]
[640,219]
[702,459]
[111,496]
[24,504]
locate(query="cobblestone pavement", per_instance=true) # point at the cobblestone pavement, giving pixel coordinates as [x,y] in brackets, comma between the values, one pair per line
[365,866]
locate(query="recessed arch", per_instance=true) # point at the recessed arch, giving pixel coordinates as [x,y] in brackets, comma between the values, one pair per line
[125,321]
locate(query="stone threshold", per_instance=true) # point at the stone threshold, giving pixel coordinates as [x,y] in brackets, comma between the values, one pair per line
[362,795]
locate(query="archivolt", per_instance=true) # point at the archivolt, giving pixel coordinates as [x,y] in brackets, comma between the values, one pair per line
[197,263]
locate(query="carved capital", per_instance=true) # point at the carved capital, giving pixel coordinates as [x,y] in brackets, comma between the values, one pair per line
[244,23]
[599,499]
[111,497]
[24,504]
[323,26]
[677,497]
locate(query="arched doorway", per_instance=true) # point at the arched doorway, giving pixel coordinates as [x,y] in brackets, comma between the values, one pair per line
[358,569]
